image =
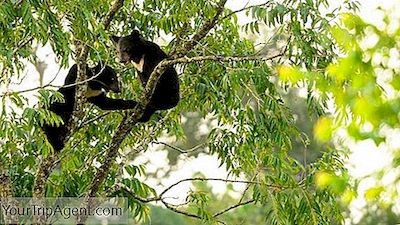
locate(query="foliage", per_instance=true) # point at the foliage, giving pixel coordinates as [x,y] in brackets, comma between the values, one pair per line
[364,85]
[254,124]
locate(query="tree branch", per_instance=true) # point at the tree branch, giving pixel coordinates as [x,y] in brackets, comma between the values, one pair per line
[114,9]
[161,198]
[212,179]
[128,122]
[93,119]
[203,31]
[179,149]
[55,86]
[185,60]
[243,9]
[234,207]
[182,60]
[131,193]
[174,209]
[48,163]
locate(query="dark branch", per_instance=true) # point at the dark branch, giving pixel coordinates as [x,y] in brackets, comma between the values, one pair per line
[185,60]
[211,179]
[234,207]
[93,119]
[132,194]
[174,209]
[114,9]
[243,9]
[203,31]
[46,166]
[179,149]
[129,121]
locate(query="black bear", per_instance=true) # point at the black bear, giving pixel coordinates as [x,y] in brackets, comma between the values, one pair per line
[145,56]
[106,80]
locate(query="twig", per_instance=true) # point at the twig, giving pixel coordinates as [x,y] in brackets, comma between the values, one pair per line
[243,9]
[184,60]
[234,207]
[93,119]
[55,86]
[131,193]
[213,179]
[174,209]
[179,149]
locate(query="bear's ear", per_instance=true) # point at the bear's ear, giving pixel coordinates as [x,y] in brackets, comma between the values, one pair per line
[100,63]
[135,33]
[115,39]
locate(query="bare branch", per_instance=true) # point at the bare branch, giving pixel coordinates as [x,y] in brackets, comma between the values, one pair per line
[32,89]
[243,9]
[174,209]
[93,119]
[131,193]
[55,86]
[184,60]
[234,207]
[179,149]
[210,179]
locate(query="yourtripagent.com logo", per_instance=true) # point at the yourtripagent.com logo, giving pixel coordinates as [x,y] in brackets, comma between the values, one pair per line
[63,211]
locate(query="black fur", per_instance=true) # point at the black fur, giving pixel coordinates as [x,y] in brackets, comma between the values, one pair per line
[96,92]
[135,48]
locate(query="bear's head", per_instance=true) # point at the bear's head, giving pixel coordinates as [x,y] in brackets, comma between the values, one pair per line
[105,78]
[130,48]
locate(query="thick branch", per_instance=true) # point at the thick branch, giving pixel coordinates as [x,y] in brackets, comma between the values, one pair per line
[39,188]
[182,60]
[114,9]
[48,163]
[203,31]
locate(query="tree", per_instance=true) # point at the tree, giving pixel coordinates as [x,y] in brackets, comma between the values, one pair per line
[222,75]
